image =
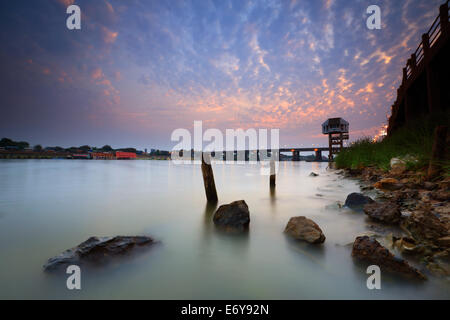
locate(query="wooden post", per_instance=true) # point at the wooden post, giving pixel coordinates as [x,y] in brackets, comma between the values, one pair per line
[413,62]
[208,179]
[439,152]
[272,173]
[426,45]
[443,16]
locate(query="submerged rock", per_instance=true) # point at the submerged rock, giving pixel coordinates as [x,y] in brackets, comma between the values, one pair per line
[233,217]
[97,250]
[302,228]
[370,250]
[357,200]
[386,212]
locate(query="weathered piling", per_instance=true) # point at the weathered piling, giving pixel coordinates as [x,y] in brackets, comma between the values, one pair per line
[272,174]
[439,152]
[208,179]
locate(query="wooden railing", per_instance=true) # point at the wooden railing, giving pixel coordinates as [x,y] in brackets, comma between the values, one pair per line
[438,28]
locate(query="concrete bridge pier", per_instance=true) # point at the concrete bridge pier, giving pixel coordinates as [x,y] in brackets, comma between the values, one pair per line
[296,155]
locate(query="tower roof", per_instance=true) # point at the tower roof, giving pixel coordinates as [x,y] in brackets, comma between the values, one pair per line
[335,122]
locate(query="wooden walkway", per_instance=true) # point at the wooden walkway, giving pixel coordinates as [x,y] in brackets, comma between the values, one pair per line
[425,84]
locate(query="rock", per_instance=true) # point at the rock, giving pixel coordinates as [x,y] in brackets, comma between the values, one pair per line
[444,242]
[408,246]
[406,194]
[395,161]
[442,254]
[386,212]
[439,263]
[398,166]
[405,181]
[424,225]
[371,174]
[233,217]
[425,196]
[441,195]
[302,228]
[444,184]
[97,250]
[313,174]
[370,250]
[357,200]
[390,184]
[439,269]
[430,186]
[353,172]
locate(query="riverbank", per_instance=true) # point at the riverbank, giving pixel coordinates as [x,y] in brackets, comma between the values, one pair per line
[419,208]
[64,155]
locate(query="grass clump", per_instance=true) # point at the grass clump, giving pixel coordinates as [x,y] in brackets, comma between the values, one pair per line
[413,142]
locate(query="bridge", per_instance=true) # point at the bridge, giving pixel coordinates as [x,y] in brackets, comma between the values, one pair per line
[424,88]
[296,152]
[245,154]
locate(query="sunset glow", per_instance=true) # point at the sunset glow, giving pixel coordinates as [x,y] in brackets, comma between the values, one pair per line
[137,70]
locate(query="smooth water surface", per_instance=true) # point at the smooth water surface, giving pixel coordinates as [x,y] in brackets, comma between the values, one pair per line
[48,206]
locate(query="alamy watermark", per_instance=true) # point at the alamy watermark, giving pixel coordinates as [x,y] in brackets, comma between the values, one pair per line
[374,20]
[73,22]
[74,280]
[374,280]
[235,146]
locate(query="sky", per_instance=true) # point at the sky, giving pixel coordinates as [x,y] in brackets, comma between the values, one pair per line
[139,69]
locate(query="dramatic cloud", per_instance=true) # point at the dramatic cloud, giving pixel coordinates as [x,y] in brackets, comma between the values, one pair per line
[139,69]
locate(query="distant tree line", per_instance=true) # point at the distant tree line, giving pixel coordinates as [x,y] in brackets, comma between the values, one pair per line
[160,153]
[5,142]
[21,145]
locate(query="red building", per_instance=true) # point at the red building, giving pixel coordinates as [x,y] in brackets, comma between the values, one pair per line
[120,155]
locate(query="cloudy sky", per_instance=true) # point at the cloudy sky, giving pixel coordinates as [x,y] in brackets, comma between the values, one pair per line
[138,69]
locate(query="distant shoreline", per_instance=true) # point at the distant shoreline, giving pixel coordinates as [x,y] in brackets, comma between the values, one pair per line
[47,155]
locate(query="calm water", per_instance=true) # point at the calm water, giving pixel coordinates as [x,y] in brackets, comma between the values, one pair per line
[47,206]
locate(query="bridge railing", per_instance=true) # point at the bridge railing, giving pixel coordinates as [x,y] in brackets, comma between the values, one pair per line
[429,39]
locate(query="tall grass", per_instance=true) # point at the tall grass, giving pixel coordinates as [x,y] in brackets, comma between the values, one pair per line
[415,140]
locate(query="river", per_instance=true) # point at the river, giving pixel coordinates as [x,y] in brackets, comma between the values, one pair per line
[47,206]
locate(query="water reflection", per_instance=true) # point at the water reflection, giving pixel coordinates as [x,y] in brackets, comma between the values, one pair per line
[273,195]
[208,214]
